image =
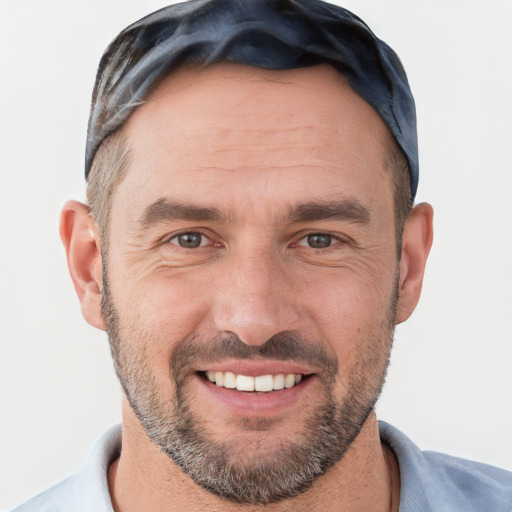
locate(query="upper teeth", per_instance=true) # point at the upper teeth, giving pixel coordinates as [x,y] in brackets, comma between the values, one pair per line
[260,383]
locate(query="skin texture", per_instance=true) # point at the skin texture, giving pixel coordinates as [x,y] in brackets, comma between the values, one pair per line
[250,146]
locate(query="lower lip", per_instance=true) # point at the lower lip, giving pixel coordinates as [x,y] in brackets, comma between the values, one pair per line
[256,404]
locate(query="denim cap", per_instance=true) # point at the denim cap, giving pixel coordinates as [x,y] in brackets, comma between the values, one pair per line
[269,34]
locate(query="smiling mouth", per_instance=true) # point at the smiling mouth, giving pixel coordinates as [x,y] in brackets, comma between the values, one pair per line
[260,384]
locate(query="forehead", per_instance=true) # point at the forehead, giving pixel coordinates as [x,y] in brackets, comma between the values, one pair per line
[287,133]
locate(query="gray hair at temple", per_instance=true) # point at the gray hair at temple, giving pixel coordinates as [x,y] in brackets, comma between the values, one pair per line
[269,34]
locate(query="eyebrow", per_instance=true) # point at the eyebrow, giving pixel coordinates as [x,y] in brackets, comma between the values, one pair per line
[164,210]
[348,210]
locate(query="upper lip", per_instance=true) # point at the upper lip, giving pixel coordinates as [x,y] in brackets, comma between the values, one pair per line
[256,368]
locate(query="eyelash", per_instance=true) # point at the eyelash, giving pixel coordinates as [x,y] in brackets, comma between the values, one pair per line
[197,233]
[334,240]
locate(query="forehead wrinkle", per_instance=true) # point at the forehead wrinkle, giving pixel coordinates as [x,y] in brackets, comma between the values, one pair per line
[241,136]
[257,148]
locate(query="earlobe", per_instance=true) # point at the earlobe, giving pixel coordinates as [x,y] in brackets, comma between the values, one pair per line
[81,241]
[417,241]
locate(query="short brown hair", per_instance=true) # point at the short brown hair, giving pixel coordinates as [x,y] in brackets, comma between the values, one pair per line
[107,171]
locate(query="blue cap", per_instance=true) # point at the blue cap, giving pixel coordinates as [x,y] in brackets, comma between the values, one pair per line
[270,34]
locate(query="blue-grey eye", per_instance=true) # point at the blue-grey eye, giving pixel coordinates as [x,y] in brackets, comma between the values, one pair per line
[189,240]
[319,241]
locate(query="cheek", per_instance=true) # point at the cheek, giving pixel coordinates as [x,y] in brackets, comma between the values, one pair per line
[349,309]
[168,308]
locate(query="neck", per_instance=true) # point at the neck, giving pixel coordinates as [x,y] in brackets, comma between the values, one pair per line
[144,478]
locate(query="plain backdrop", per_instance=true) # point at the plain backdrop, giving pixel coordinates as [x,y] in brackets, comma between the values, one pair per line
[450,382]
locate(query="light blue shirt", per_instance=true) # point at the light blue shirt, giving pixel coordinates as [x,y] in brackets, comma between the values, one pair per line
[430,481]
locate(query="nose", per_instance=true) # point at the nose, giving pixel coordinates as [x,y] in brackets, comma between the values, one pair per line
[255,299]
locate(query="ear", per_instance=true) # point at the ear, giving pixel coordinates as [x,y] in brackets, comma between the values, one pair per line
[417,240]
[81,241]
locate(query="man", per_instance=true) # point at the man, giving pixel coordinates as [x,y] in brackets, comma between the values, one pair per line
[249,245]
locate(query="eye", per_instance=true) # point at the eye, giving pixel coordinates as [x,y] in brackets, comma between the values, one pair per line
[317,240]
[189,240]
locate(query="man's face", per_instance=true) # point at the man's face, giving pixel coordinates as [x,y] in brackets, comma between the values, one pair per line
[253,236]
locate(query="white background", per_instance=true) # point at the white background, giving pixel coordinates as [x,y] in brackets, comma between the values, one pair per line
[450,383]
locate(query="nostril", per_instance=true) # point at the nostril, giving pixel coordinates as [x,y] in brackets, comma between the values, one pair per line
[256,311]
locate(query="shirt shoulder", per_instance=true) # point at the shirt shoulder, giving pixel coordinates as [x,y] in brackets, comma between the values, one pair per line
[55,499]
[87,490]
[432,481]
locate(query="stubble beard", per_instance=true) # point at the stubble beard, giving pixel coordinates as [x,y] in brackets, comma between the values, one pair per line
[269,473]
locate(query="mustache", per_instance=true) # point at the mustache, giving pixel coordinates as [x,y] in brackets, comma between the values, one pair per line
[284,346]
